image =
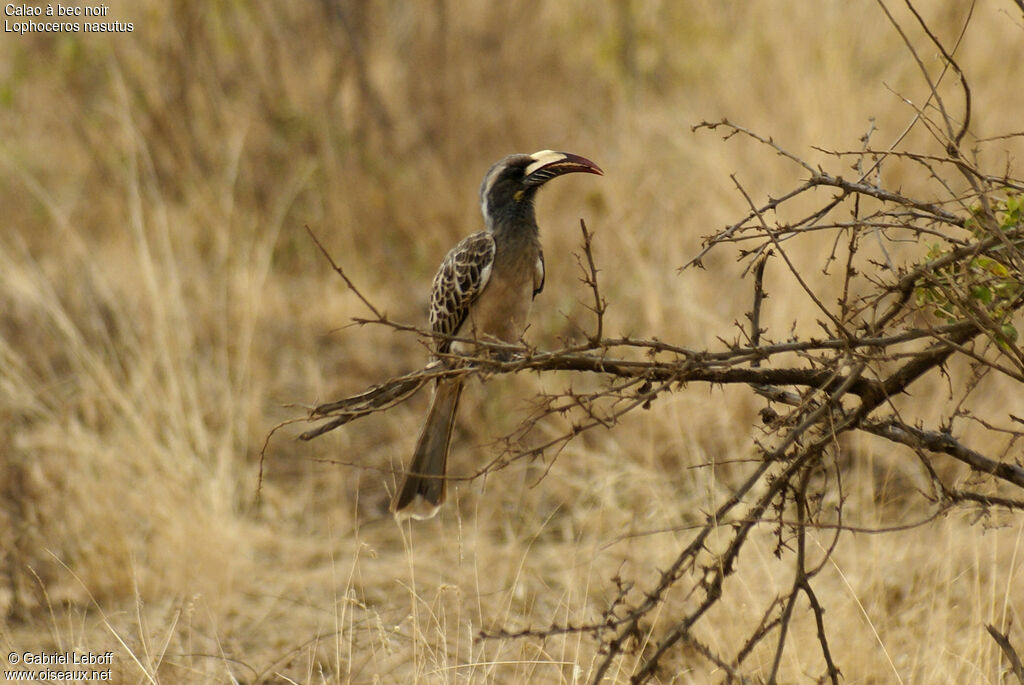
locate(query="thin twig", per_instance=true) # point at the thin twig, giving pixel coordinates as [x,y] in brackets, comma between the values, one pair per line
[590,279]
[1003,640]
[344,277]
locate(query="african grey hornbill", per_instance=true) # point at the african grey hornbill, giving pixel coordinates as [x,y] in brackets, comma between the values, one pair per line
[483,291]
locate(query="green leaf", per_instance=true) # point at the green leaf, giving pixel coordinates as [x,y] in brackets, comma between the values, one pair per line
[982,293]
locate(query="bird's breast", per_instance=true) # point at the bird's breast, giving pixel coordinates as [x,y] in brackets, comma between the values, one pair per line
[502,309]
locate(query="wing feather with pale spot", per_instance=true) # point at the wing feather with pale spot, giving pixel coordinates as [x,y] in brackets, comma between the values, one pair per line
[460,280]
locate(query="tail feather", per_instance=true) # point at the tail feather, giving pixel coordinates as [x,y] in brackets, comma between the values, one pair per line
[423,489]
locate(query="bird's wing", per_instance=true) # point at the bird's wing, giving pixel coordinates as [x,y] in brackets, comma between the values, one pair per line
[460,280]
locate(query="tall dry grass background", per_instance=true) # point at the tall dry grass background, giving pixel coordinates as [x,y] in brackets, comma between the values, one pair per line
[161,306]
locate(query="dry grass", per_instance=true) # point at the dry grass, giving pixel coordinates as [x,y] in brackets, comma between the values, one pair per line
[160,303]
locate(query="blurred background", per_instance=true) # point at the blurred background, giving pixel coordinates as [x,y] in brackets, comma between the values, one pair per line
[162,308]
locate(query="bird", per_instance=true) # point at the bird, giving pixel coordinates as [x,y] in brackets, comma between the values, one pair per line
[482,291]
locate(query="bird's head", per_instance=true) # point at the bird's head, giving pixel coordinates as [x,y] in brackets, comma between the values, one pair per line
[509,187]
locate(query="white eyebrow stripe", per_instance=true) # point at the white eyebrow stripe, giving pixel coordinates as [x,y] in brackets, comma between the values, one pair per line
[543,158]
[485,190]
[483,210]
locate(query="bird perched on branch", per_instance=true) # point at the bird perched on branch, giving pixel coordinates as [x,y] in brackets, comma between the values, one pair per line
[483,291]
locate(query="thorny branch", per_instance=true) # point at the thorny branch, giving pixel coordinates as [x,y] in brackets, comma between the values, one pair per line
[1003,640]
[589,279]
[936,292]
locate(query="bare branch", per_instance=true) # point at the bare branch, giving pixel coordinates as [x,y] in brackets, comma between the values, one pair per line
[1003,640]
[945,444]
[590,280]
[341,272]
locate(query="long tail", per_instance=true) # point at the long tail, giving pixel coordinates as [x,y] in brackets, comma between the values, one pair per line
[423,489]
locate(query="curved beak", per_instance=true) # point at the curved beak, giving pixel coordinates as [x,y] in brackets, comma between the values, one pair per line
[548,164]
